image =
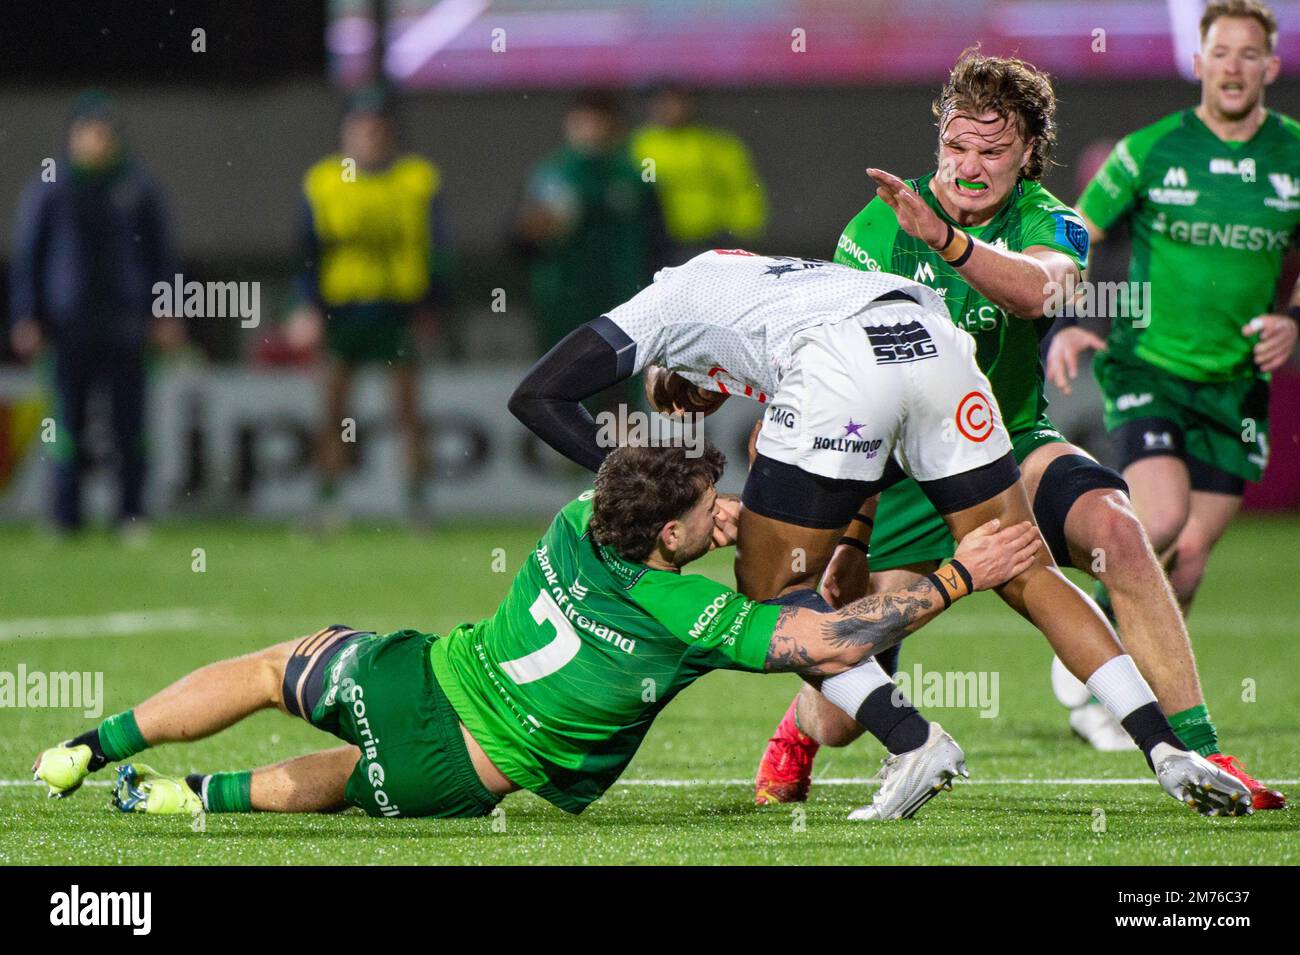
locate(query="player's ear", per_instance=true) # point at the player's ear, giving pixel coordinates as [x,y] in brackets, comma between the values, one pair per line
[1028,153]
[1196,66]
[670,535]
[1271,71]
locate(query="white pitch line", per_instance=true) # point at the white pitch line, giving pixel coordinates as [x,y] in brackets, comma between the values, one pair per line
[121,623]
[866,780]
[845,781]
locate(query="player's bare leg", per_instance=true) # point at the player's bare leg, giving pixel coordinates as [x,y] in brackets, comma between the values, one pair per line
[196,706]
[773,557]
[1161,491]
[1072,623]
[410,425]
[1106,539]
[215,696]
[1208,518]
[311,783]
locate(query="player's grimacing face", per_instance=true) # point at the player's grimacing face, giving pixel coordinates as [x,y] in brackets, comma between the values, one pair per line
[1234,66]
[980,158]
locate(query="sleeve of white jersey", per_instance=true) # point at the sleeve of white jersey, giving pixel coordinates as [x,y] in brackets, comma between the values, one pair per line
[641,319]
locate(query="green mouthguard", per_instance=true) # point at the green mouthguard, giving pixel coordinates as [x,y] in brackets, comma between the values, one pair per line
[971,185]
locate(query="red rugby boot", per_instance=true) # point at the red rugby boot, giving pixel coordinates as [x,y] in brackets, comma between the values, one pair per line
[1261,796]
[785,772]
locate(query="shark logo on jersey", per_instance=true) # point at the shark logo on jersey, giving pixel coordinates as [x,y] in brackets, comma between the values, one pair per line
[897,344]
[1287,188]
[791,264]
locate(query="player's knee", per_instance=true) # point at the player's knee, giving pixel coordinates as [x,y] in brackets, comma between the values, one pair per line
[1120,552]
[269,670]
[1065,481]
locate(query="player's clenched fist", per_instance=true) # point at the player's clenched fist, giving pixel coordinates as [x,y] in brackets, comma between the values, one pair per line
[995,556]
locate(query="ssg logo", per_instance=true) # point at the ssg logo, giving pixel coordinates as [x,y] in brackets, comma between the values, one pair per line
[896,344]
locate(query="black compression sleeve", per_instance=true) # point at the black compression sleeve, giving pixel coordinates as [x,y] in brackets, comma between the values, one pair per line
[586,361]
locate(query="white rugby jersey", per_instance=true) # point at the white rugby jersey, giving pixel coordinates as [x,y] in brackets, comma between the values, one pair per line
[725,319]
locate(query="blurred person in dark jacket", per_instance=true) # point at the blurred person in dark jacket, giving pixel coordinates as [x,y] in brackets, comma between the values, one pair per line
[590,225]
[376,259]
[90,241]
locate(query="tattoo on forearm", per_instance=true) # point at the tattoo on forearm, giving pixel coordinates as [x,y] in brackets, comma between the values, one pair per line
[877,620]
[787,650]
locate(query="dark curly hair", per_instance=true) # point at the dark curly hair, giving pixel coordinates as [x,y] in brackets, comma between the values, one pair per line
[640,489]
[1011,88]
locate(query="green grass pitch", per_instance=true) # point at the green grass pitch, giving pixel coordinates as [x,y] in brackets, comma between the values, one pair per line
[1036,795]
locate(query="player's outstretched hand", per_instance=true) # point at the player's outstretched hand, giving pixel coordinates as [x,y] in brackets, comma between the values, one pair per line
[1063,355]
[1277,338]
[994,556]
[914,216]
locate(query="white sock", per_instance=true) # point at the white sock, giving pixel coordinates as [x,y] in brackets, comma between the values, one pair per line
[1119,686]
[849,689]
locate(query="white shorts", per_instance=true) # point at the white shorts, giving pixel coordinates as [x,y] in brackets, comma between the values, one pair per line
[899,380]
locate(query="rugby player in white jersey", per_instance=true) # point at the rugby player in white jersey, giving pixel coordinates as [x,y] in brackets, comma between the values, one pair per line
[865,379]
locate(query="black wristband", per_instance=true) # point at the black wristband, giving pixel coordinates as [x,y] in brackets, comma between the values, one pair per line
[964,574]
[1293,313]
[854,542]
[938,585]
[864,519]
[961,259]
[947,239]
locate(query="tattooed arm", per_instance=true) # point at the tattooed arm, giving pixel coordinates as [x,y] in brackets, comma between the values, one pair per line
[822,644]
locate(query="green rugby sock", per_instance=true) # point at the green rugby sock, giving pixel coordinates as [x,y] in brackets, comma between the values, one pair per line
[224,792]
[120,737]
[1195,728]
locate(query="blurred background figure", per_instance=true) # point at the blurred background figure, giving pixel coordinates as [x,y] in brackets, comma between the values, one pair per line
[590,226]
[90,240]
[708,187]
[375,260]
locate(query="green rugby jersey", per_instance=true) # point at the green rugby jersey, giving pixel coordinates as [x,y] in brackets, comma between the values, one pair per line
[1006,346]
[1211,222]
[561,684]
